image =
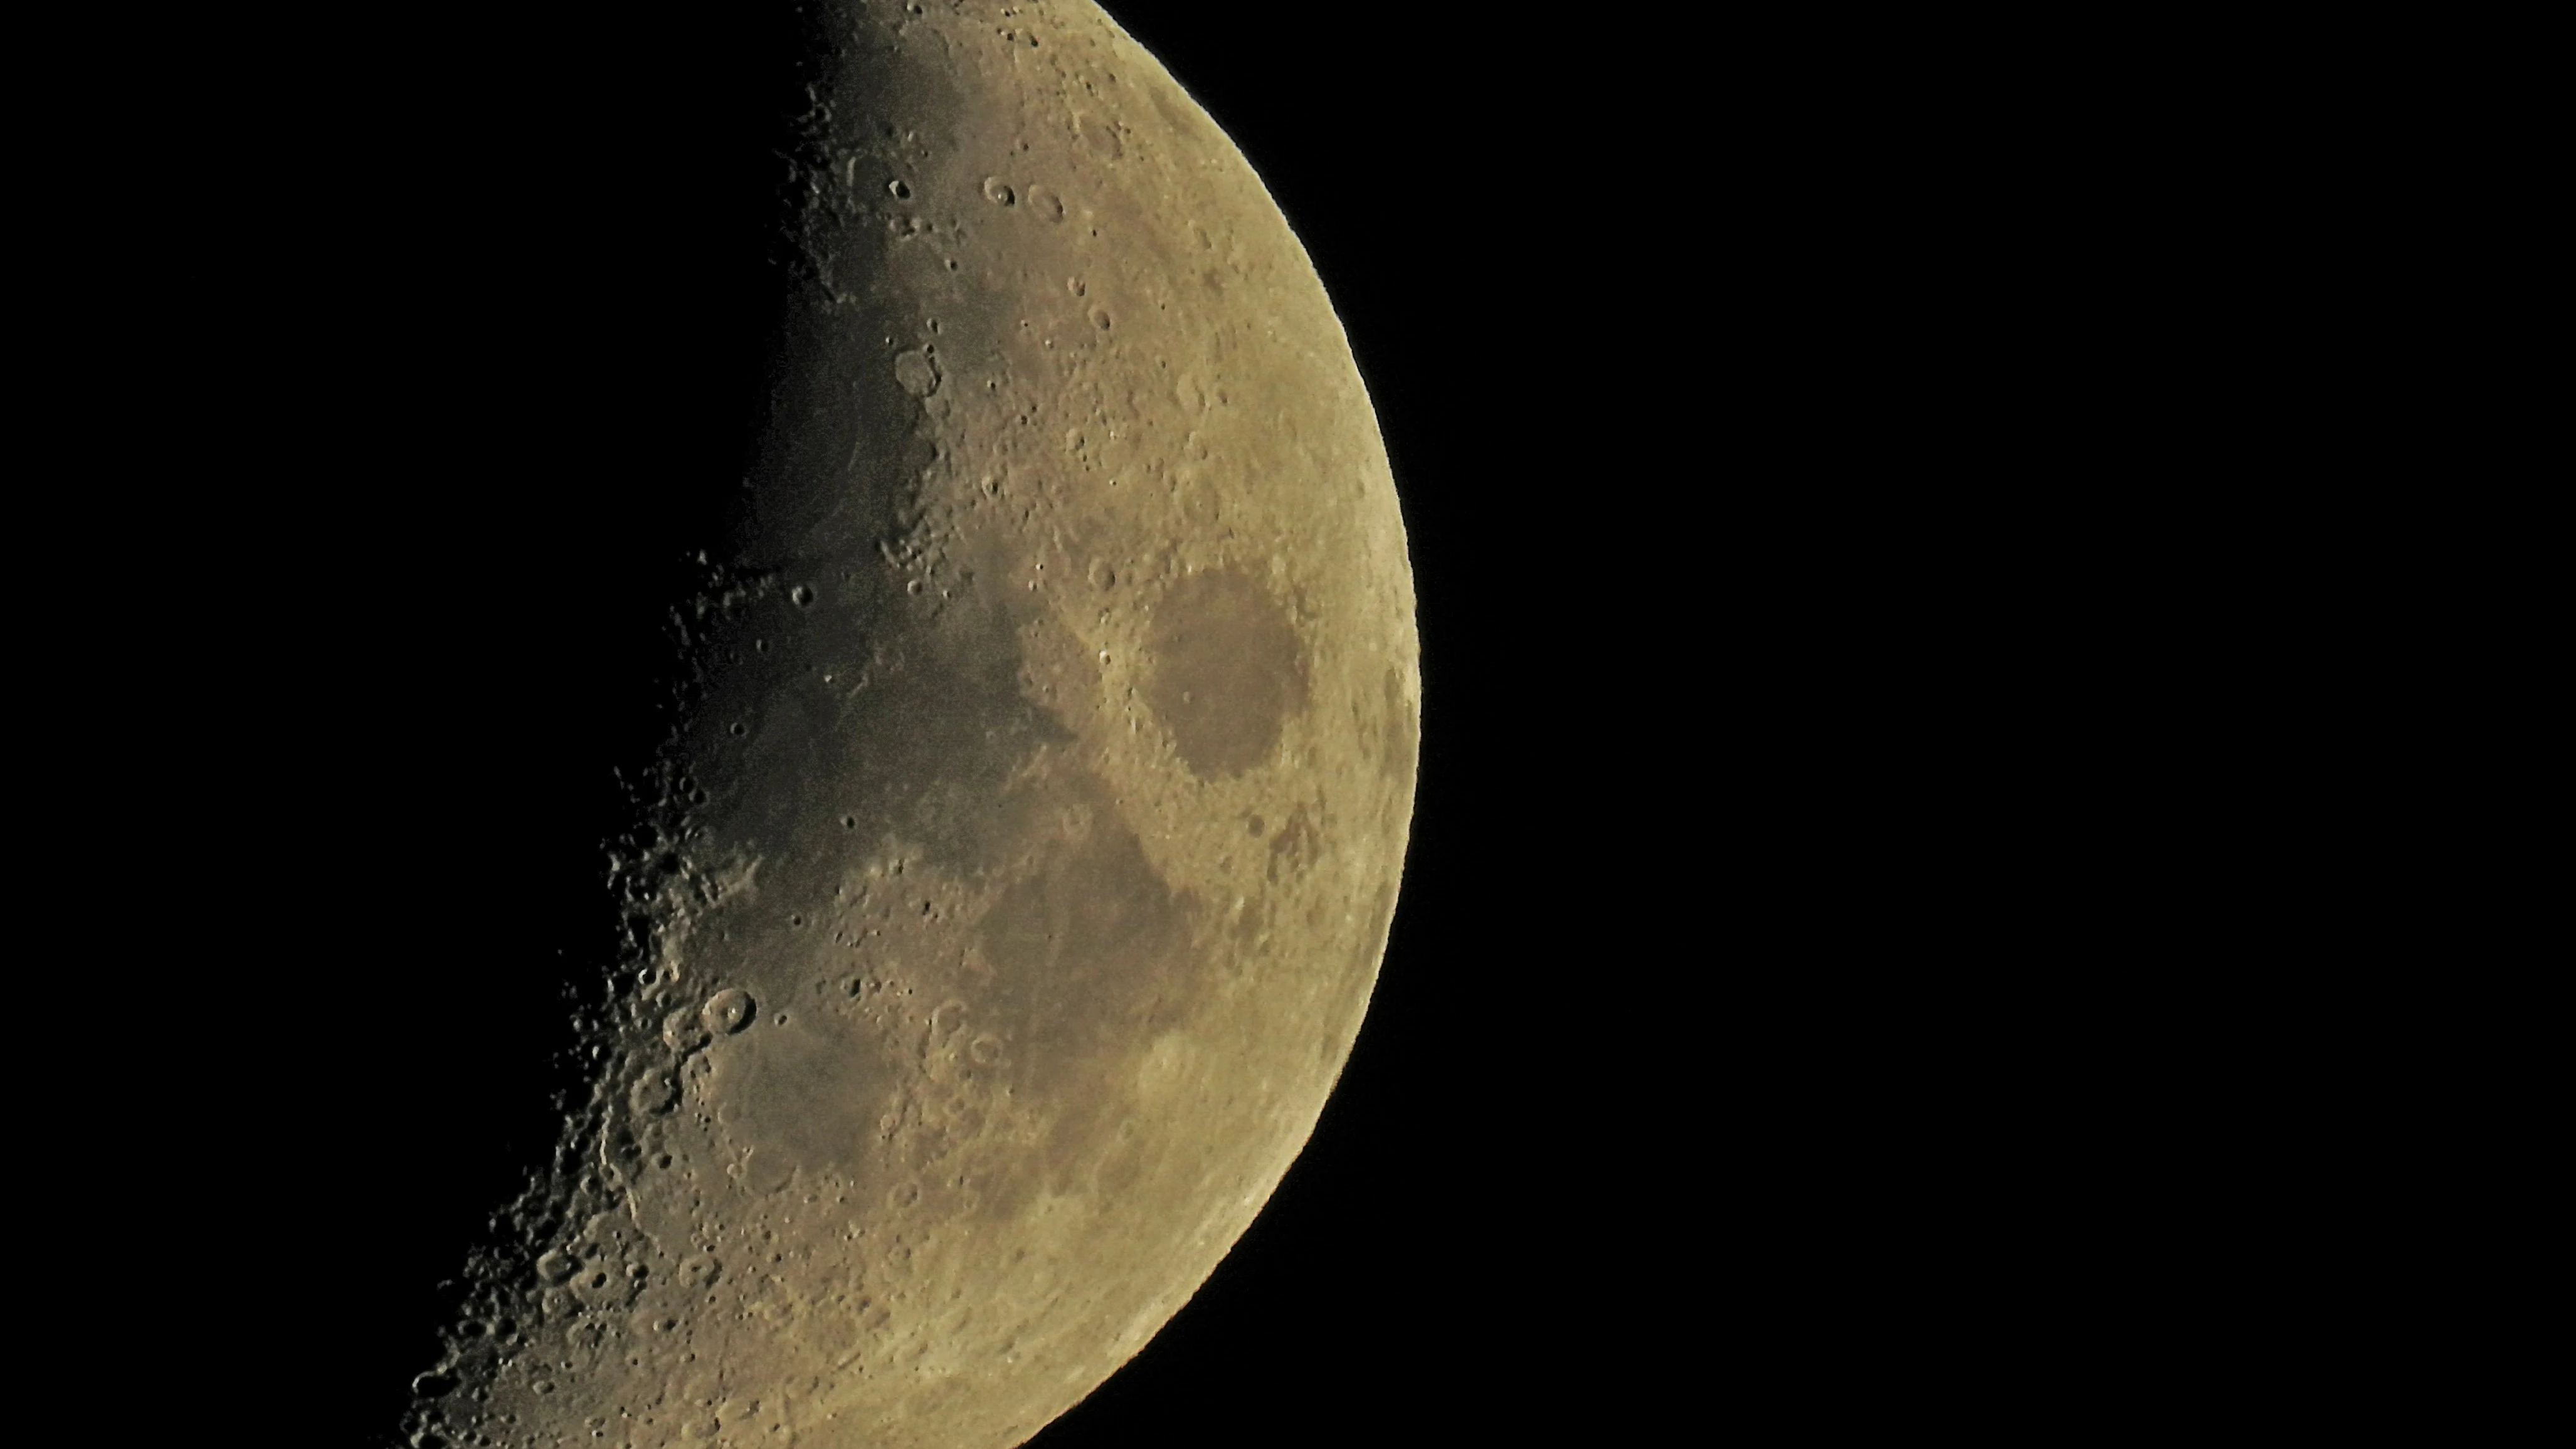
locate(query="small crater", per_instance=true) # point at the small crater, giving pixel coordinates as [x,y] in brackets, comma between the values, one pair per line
[765,1171]
[557,1266]
[1045,204]
[729,1010]
[654,1094]
[916,373]
[899,191]
[1099,137]
[998,192]
[604,1286]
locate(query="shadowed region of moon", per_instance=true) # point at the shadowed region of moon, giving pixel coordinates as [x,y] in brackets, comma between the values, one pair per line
[1009,892]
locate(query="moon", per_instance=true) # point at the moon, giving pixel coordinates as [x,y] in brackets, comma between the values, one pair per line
[1013,882]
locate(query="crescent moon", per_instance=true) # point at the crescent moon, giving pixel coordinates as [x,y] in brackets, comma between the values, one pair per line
[1005,904]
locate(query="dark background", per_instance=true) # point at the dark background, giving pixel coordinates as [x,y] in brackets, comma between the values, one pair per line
[490,327]
[1915,668]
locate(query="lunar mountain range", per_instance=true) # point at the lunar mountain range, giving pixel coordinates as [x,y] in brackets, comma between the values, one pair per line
[1005,904]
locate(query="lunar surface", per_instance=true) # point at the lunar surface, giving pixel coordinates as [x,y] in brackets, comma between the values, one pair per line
[1012,887]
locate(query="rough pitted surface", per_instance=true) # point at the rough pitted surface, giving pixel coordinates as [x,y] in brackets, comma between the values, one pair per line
[1016,885]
